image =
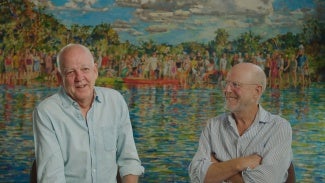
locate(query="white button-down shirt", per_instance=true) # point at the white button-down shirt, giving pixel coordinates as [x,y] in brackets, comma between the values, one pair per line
[70,148]
[270,136]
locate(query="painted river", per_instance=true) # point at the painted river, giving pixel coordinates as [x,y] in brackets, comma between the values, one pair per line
[167,122]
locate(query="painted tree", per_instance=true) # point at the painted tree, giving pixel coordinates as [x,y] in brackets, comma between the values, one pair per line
[79,33]
[248,42]
[221,40]
[106,32]
[194,47]
[148,46]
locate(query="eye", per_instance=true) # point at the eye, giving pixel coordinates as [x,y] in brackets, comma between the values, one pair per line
[235,84]
[69,73]
[85,69]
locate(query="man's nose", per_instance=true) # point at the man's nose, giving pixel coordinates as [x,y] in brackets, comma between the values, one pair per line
[79,74]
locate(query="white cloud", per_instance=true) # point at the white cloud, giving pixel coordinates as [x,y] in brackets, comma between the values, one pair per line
[82,5]
[181,13]
[204,7]
[232,13]
[156,28]
[43,3]
[202,18]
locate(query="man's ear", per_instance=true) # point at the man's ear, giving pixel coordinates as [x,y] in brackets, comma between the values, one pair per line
[96,69]
[259,90]
[59,77]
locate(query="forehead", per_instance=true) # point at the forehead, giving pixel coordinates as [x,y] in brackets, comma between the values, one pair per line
[76,56]
[240,74]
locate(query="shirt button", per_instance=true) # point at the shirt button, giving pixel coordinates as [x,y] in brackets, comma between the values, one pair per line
[94,170]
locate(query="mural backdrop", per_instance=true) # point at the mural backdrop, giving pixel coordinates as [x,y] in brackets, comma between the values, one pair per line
[188,38]
[124,27]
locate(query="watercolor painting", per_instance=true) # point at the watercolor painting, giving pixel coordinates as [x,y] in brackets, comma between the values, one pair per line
[159,54]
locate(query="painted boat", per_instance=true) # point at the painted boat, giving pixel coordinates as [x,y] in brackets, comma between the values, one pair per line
[135,80]
[106,81]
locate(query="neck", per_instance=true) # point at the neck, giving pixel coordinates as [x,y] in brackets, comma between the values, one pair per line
[85,106]
[245,119]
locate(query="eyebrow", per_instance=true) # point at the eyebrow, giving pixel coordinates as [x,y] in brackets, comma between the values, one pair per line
[73,68]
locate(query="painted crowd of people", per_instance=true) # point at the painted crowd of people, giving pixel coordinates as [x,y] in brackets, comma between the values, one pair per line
[282,70]
[21,67]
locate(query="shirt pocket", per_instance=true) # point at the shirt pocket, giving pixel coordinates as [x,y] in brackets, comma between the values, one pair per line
[109,138]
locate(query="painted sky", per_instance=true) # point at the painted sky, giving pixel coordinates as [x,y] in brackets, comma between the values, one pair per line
[176,21]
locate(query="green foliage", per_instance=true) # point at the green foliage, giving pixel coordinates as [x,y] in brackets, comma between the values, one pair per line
[25,26]
[248,42]
[194,47]
[106,32]
[148,46]
[221,41]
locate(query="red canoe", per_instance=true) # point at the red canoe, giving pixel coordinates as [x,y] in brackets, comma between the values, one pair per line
[149,81]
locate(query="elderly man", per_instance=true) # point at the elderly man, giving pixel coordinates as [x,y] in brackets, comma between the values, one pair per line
[83,133]
[247,143]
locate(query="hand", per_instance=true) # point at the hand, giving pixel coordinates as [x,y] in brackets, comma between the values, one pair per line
[252,161]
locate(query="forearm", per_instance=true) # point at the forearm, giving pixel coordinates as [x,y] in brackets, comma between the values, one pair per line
[236,178]
[231,169]
[277,156]
[130,178]
[220,171]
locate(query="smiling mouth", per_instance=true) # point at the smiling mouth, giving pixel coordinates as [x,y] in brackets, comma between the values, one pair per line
[80,86]
[229,96]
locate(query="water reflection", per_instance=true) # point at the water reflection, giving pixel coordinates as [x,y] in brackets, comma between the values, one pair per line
[167,122]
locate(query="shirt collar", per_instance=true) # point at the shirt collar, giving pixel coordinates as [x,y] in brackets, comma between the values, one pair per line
[67,100]
[261,116]
[98,97]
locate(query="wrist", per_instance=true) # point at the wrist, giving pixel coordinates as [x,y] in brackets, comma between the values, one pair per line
[246,169]
[242,165]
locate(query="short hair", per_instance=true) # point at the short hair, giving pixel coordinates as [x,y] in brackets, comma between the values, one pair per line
[261,77]
[68,47]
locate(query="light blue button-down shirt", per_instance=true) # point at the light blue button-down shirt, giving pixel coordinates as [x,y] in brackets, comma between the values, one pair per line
[270,136]
[70,148]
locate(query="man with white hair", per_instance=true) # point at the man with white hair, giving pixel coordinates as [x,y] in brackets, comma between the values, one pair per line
[247,143]
[83,133]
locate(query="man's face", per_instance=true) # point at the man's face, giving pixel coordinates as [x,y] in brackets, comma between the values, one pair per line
[239,91]
[78,74]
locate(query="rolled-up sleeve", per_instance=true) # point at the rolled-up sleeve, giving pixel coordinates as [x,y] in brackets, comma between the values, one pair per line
[127,156]
[47,150]
[277,157]
[202,159]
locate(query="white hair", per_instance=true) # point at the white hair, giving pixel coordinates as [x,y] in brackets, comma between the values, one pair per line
[59,57]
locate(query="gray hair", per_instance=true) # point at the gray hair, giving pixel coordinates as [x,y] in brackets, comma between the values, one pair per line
[59,58]
[261,77]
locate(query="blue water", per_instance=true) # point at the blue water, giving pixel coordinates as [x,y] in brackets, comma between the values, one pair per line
[167,122]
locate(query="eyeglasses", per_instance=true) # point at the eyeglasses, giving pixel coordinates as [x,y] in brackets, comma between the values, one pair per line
[235,84]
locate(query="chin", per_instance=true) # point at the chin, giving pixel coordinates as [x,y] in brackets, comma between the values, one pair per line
[228,108]
[231,108]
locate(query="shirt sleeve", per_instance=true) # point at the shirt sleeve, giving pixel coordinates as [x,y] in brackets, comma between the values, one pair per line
[49,159]
[127,156]
[202,159]
[277,157]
